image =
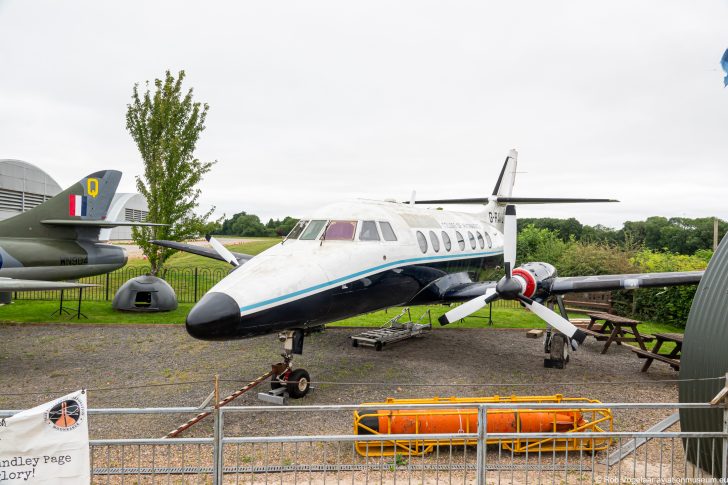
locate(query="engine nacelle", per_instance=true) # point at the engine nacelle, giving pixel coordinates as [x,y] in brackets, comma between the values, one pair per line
[535,277]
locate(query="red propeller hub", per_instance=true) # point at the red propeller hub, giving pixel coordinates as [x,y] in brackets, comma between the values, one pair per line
[530,288]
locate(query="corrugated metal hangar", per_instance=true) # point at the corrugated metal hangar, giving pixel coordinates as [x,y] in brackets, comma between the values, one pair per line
[24,186]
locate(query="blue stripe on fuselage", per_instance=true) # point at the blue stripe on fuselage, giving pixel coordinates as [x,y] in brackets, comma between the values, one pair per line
[401,262]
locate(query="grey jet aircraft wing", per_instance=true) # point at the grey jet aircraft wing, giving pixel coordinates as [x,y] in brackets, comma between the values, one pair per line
[12,284]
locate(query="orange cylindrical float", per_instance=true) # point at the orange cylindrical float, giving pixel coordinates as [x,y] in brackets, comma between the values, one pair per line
[466,421]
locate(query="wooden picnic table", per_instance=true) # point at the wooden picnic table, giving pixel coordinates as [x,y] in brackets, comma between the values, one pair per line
[613,328]
[672,358]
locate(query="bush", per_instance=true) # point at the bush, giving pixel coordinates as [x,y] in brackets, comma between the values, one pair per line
[541,245]
[582,259]
[666,305]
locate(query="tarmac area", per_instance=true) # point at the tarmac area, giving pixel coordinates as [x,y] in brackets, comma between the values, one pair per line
[162,366]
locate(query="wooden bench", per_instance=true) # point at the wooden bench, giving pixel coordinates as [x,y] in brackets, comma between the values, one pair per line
[615,329]
[672,358]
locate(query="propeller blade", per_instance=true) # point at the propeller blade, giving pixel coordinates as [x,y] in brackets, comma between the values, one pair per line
[469,307]
[510,236]
[222,250]
[555,320]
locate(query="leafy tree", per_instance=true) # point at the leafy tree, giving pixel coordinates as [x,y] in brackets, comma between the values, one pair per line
[566,229]
[165,124]
[281,228]
[542,245]
[243,224]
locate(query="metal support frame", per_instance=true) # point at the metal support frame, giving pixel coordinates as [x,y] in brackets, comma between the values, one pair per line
[482,448]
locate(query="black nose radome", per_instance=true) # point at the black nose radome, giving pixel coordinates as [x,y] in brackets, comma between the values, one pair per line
[215,317]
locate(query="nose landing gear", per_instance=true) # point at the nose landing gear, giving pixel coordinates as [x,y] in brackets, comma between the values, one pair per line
[286,381]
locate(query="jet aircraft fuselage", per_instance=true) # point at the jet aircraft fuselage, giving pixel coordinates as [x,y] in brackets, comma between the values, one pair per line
[57,259]
[347,259]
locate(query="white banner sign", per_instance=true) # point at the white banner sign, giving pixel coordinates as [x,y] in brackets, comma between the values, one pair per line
[47,444]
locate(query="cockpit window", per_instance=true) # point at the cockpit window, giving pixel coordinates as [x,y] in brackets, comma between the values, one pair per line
[297,230]
[490,241]
[387,231]
[369,231]
[471,238]
[313,230]
[340,231]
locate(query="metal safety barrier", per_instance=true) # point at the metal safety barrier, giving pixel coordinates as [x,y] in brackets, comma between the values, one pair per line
[641,456]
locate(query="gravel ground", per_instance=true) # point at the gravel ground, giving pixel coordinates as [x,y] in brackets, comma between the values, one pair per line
[50,359]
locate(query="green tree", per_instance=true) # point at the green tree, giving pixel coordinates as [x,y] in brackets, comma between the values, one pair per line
[541,245]
[281,228]
[165,124]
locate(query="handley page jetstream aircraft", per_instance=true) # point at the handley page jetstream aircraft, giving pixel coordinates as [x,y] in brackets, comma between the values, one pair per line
[357,257]
[59,239]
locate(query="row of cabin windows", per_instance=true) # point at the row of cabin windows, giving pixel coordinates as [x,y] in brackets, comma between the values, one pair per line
[447,243]
[342,230]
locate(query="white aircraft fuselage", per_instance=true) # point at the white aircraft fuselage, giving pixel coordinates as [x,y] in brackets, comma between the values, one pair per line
[344,261]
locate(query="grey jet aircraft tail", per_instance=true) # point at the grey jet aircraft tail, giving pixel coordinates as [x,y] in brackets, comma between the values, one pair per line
[79,212]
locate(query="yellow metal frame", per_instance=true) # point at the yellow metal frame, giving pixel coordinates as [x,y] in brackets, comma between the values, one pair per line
[597,420]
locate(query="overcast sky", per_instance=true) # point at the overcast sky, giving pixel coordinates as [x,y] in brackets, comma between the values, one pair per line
[316,101]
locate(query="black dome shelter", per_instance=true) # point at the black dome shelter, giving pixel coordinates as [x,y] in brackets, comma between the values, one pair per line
[145,294]
[705,355]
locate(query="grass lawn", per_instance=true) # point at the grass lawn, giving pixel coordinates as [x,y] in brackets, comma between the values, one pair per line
[23,311]
[39,311]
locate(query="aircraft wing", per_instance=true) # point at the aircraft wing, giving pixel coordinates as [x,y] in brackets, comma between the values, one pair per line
[12,284]
[467,291]
[200,250]
[624,281]
[560,286]
[101,224]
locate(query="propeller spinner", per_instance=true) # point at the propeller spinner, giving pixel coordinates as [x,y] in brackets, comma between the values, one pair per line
[517,284]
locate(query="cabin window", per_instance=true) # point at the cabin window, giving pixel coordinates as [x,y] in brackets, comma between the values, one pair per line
[422,241]
[435,242]
[297,230]
[461,240]
[446,241]
[387,231]
[488,240]
[369,231]
[481,242]
[313,230]
[340,231]
[471,238]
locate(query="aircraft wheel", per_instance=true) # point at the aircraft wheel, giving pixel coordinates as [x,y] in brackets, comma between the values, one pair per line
[354,342]
[299,385]
[378,346]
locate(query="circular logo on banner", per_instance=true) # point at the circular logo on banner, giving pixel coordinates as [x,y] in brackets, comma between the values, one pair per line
[65,415]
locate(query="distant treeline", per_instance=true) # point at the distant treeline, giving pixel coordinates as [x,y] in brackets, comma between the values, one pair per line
[244,224]
[678,235]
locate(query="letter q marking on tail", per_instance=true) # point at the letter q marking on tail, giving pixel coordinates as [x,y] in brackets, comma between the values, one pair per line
[92,187]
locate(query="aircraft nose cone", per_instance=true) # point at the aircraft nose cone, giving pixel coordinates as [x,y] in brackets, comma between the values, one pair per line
[215,317]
